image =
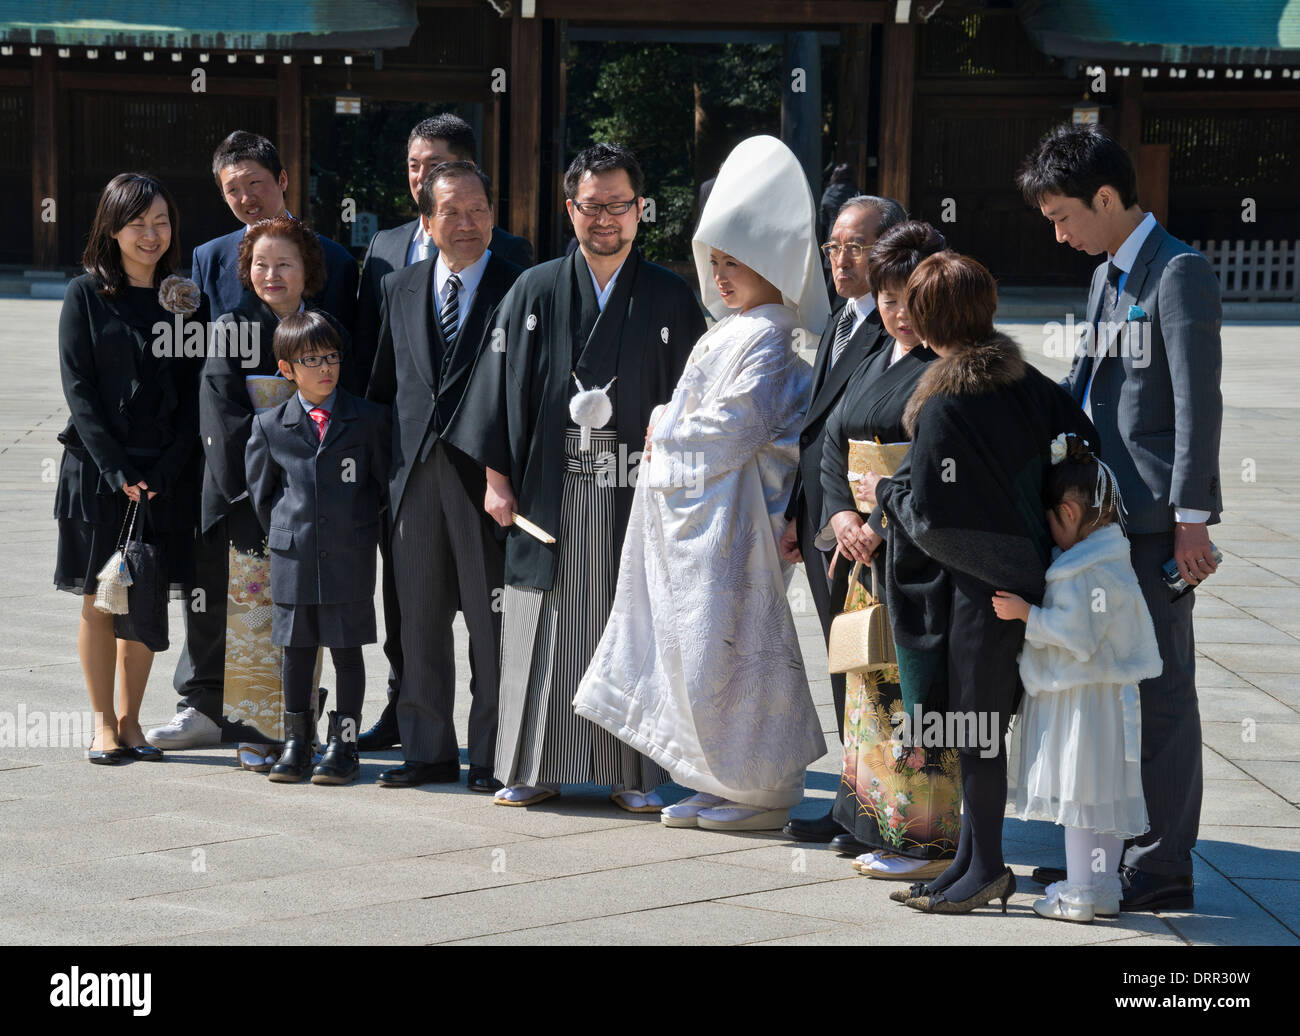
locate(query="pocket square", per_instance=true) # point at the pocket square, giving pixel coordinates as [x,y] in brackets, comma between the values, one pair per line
[1136,312]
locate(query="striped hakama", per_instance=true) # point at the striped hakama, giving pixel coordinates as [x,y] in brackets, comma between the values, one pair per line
[549,636]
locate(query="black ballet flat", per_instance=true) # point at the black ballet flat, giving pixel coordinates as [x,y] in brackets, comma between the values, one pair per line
[145,753]
[114,756]
[1002,887]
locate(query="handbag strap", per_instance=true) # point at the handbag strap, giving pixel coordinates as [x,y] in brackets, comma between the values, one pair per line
[124,534]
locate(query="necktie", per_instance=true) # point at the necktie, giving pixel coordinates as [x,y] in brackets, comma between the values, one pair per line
[450,310]
[321,418]
[843,332]
[1101,336]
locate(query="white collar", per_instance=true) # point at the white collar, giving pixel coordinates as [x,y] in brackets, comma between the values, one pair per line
[1128,251]
[602,296]
[469,278]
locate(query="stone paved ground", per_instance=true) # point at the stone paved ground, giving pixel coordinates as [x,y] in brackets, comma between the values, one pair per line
[197,851]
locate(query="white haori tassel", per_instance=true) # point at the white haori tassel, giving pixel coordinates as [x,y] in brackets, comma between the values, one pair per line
[590,408]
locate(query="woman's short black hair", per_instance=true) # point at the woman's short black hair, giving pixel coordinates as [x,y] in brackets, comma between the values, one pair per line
[1077,161]
[127,196]
[303,334]
[601,158]
[899,251]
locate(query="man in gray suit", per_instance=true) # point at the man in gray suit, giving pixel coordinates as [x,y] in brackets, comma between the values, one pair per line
[1149,379]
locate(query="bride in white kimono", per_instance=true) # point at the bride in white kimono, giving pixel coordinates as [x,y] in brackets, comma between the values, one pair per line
[699,667]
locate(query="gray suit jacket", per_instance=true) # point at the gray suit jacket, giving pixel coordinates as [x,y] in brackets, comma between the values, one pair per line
[319,500]
[1156,401]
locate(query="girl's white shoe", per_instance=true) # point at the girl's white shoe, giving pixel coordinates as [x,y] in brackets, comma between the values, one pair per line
[1065,902]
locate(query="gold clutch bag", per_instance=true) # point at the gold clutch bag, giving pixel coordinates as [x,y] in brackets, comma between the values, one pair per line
[861,638]
[882,458]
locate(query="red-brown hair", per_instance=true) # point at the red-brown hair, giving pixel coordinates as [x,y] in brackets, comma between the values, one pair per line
[296,233]
[951,299]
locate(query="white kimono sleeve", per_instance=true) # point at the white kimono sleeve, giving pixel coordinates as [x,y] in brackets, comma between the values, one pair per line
[732,422]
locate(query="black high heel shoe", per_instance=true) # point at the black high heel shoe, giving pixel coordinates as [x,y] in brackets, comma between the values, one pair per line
[1002,887]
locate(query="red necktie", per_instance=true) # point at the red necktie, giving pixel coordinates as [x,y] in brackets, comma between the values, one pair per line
[322,418]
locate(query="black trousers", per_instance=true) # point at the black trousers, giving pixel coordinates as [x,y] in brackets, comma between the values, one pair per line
[1171,722]
[201,669]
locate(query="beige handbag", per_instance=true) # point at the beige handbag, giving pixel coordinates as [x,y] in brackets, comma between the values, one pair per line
[861,638]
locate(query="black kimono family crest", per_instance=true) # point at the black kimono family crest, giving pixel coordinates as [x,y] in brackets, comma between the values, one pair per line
[516,408]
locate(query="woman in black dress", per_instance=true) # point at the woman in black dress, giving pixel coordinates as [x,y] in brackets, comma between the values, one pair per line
[123,335]
[903,804]
[970,496]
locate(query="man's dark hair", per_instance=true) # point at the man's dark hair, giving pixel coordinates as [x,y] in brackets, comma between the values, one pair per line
[602,158]
[458,134]
[889,213]
[242,146]
[450,171]
[1077,161]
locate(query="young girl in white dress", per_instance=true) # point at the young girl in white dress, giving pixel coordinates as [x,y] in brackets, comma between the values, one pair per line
[1085,651]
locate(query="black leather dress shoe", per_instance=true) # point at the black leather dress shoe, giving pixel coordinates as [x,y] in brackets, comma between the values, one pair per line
[481,779]
[411,774]
[846,845]
[383,735]
[819,829]
[1047,875]
[1143,891]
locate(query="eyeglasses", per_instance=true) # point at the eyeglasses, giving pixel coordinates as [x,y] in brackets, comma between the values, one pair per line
[614,208]
[329,360]
[852,250]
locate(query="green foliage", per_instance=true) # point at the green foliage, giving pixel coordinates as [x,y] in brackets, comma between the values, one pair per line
[645,96]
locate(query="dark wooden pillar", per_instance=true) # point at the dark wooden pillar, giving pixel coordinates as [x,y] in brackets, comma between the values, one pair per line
[897,86]
[801,104]
[45,165]
[524,88]
[291,132]
[854,100]
[1153,180]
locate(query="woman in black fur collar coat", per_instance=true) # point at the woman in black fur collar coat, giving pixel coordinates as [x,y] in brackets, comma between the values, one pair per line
[967,517]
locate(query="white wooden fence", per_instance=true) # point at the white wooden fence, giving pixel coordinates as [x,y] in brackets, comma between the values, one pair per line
[1255,271]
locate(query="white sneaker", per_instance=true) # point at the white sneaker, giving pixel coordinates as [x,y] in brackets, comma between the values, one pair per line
[189,728]
[1065,902]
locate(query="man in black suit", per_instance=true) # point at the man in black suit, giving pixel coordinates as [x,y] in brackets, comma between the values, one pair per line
[433,321]
[853,333]
[443,138]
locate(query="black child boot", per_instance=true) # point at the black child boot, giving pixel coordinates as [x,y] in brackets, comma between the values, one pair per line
[295,760]
[340,763]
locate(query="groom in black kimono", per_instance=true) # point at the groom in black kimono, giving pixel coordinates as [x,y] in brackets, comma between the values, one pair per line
[607,318]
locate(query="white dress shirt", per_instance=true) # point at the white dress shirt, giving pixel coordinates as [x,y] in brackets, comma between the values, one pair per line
[421,245]
[469,281]
[862,308]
